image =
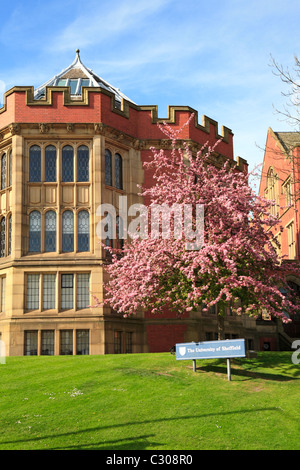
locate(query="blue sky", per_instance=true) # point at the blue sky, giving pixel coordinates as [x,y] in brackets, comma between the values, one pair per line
[211,55]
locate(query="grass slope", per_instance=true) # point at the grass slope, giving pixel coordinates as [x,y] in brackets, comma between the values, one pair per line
[149,402]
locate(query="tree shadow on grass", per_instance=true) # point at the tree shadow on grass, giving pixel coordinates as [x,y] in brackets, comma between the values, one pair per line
[249,371]
[136,443]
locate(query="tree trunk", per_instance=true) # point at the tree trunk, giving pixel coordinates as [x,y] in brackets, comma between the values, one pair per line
[221,330]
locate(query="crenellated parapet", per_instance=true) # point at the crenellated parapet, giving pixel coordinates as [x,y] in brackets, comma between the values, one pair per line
[96,104]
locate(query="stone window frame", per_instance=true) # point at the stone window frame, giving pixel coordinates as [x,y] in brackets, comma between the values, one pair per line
[290,226]
[59,228]
[8,170]
[114,152]
[59,145]
[57,292]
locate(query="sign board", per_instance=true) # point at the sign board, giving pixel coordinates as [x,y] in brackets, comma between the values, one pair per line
[211,349]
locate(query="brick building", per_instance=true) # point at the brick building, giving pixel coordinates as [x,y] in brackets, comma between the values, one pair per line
[280,182]
[66,148]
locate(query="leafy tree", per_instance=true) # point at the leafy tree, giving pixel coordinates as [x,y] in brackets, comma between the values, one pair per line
[236,267]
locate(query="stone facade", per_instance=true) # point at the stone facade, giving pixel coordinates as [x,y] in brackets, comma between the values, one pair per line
[53,148]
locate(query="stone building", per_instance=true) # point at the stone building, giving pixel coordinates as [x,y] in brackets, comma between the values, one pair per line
[66,148]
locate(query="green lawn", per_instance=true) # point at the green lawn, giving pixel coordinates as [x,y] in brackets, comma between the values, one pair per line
[149,402]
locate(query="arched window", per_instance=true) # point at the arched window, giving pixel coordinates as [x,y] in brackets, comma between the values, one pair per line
[83,231]
[108,229]
[9,234]
[50,231]
[3,171]
[50,164]
[82,163]
[272,189]
[10,168]
[35,164]
[119,232]
[67,164]
[34,232]
[108,168]
[67,231]
[118,171]
[2,237]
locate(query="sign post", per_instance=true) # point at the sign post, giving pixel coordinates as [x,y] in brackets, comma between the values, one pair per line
[211,350]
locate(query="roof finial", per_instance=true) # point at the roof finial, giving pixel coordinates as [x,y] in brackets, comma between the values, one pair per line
[77,52]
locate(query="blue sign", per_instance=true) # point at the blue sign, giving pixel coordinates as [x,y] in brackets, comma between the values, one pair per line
[211,349]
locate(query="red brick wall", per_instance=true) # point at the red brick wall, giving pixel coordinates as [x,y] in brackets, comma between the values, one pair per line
[161,337]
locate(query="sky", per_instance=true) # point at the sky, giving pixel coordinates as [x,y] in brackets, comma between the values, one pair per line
[213,56]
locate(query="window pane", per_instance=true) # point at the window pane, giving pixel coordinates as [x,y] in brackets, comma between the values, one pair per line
[49,291]
[82,342]
[108,168]
[67,231]
[30,343]
[35,164]
[3,171]
[9,234]
[50,231]
[83,231]
[2,237]
[85,82]
[33,291]
[66,342]
[118,171]
[128,342]
[82,163]
[10,168]
[50,163]
[3,293]
[118,342]
[34,231]
[67,164]
[47,343]
[73,86]
[83,290]
[120,232]
[61,82]
[66,291]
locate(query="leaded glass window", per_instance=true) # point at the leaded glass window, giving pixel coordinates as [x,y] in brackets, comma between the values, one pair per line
[66,342]
[83,231]
[3,293]
[67,164]
[108,228]
[108,168]
[50,163]
[10,168]
[9,234]
[47,343]
[33,291]
[35,164]
[3,171]
[120,232]
[82,163]
[67,231]
[118,171]
[34,231]
[2,237]
[49,281]
[30,343]
[83,290]
[50,231]
[82,342]
[67,286]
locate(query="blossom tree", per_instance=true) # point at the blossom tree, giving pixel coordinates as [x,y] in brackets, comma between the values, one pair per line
[236,264]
